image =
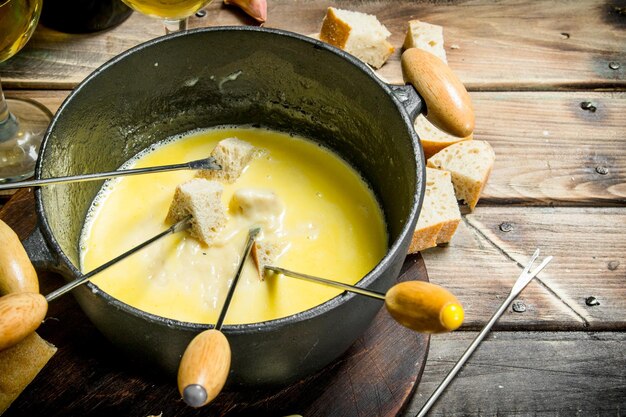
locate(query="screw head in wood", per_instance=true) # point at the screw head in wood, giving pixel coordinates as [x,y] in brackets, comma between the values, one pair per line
[589,106]
[201,13]
[614,65]
[592,301]
[602,170]
[506,227]
[518,306]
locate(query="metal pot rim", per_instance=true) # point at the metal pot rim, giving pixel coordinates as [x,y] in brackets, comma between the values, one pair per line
[269,325]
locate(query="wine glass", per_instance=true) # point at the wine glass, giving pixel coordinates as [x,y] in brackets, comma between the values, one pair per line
[22,122]
[174,13]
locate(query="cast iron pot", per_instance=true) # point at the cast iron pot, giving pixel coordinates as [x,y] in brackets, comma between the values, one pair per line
[232,75]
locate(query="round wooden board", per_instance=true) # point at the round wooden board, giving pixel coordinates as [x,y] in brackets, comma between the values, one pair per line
[88,376]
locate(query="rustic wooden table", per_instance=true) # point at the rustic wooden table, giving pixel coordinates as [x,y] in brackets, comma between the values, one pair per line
[559,183]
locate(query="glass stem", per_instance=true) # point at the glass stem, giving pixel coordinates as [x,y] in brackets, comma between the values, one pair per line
[174,25]
[8,122]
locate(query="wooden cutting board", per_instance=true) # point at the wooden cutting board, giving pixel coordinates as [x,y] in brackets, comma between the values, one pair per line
[88,376]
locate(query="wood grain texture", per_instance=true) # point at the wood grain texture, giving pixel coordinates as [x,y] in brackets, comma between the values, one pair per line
[551,151]
[376,376]
[548,149]
[589,249]
[480,275]
[528,374]
[448,102]
[504,45]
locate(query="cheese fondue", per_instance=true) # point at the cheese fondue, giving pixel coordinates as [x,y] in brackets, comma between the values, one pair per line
[325,219]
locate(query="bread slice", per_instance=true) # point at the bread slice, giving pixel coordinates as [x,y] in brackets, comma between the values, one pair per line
[202,199]
[440,213]
[359,34]
[265,253]
[233,155]
[20,364]
[434,140]
[470,163]
[426,37]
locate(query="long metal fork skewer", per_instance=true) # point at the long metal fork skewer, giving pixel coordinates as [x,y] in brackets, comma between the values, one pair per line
[206,163]
[178,227]
[523,280]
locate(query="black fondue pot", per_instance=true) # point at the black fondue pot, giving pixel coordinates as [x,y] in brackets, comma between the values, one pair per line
[235,76]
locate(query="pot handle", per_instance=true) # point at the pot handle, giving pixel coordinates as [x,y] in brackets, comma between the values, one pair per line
[448,105]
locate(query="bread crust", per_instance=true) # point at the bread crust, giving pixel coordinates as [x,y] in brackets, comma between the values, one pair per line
[466,188]
[20,364]
[334,30]
[425,238]
[367,41]
[433,139]
[440,213]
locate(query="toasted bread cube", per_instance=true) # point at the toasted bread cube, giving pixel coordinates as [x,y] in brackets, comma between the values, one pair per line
[432,139]
[359,34]
[20,364]
[426,37]
[265,253]
[233,155]
[470,163]
[440,213]
[202,199]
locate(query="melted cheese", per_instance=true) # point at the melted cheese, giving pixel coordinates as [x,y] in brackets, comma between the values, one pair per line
[305,197]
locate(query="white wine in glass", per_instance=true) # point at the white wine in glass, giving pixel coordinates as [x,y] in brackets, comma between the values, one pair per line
[173,12]
[22,123]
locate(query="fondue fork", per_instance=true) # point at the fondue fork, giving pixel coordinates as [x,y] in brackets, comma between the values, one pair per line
[178,227]
[420,306]
[206,163]
[522,281]
[24,312]
[205,364]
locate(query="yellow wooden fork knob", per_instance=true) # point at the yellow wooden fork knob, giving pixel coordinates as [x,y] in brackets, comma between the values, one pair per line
[424,307]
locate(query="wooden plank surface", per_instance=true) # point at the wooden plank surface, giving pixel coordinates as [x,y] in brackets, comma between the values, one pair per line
[481,276]
[528,374]
[564,45]
[551,151]
[548,149]
[589,247]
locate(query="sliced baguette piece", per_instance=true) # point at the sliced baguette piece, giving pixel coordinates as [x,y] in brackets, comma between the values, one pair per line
[20,364]
[359,34]
[440,213]
[434,140]
[233,155]
[202,199]
[470,163]
[426,37]
[265,253]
